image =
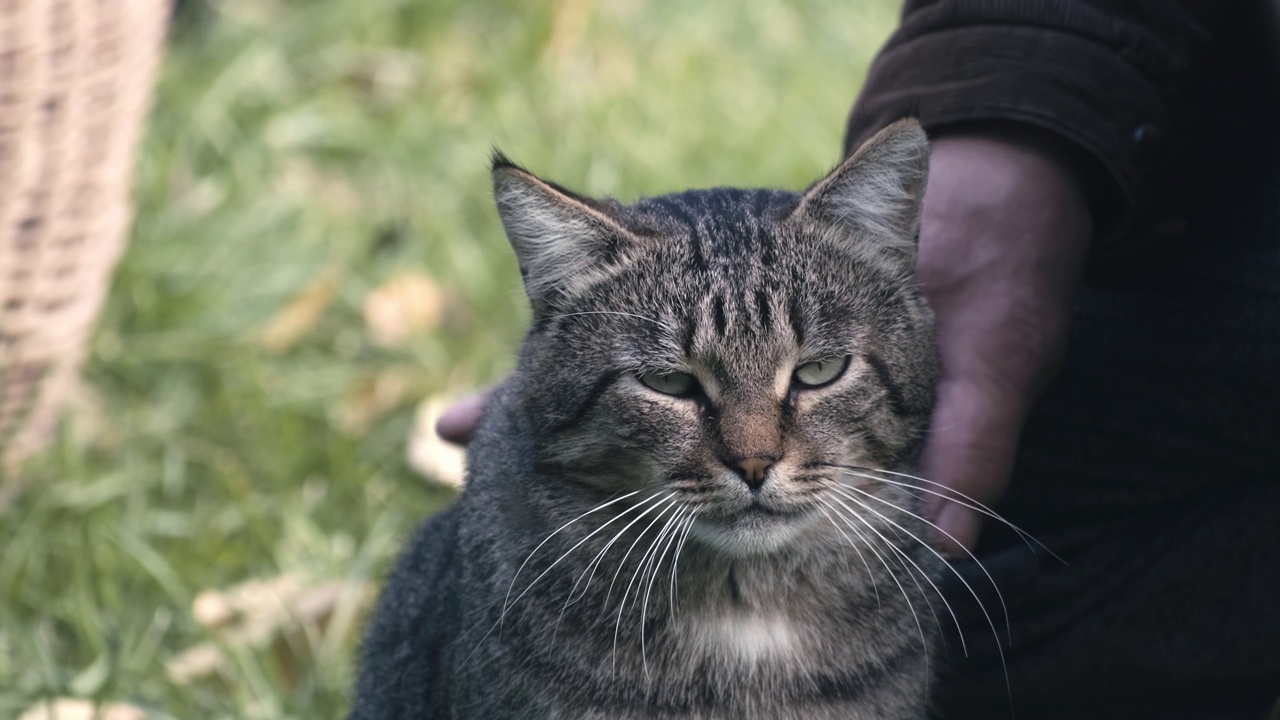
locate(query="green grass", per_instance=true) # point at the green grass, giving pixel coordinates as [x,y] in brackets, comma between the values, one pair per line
[302,139]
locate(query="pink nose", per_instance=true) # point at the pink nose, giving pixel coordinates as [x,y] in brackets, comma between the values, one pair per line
[753,469]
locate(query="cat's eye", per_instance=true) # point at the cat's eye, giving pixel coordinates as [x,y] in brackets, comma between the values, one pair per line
[821,372]
[672,383]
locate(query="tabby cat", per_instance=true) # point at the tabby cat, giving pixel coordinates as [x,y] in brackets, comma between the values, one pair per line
[688,500]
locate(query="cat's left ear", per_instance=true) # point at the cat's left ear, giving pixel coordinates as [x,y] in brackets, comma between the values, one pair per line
[873,199]
[562,241]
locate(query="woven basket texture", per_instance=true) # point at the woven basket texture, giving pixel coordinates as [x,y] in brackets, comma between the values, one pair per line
[75,83]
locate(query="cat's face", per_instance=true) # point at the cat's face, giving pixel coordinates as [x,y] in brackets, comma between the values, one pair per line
[743,356]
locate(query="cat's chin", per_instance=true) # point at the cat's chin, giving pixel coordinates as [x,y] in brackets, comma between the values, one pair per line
[752,532]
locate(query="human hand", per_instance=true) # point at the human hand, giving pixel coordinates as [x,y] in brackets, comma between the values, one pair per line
[459,422]
[1003,240]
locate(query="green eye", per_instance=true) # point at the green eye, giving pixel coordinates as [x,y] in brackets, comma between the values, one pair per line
[675,383]
[821,372]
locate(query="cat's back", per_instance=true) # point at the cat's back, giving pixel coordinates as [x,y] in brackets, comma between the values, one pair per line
[437,605]
[416,619]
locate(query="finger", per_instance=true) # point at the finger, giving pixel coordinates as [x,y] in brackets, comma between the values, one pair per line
[458,423]
[957,530]
[971,449]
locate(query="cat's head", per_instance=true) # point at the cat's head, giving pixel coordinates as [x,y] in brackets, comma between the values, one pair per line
[748,352]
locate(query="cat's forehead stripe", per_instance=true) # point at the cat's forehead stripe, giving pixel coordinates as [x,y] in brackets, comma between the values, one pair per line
[695,246]
[721,325]
[763,313]
[719,213]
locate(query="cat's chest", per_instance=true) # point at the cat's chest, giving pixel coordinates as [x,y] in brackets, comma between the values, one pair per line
[746,636]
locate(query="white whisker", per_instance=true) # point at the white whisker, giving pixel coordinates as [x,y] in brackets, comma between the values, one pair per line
[674,525]
[924,643]
[590,570]
[929,603]
[674,584]
[562,557]
[659,323]
[662,507]
[1003,607]
[875,586]
[506,601]
[622,602]
[954,618]
[651,553]
[981,606]
[569,601]
[951,495]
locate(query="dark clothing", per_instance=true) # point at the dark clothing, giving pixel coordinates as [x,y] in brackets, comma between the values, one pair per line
[1166,101]
[1152,464]
[1152,467]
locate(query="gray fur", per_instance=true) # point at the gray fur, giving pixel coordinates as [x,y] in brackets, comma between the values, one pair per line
[805,616]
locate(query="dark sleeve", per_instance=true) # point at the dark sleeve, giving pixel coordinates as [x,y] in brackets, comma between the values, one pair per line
[1106,77]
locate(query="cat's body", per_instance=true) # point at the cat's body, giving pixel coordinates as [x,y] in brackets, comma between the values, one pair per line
[674,507]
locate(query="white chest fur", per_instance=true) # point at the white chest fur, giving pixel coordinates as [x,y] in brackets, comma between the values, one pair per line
[748,637]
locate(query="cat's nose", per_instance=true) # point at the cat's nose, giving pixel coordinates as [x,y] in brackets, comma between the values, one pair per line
[753,469]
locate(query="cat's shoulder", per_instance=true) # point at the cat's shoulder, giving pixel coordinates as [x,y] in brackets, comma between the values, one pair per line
[416,614]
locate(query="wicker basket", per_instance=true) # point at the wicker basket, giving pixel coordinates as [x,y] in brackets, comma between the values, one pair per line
[75,82]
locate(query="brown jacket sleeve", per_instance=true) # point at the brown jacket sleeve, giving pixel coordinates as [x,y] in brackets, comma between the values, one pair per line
[1120,81]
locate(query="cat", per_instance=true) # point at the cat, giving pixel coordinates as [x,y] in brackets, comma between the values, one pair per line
[691,499]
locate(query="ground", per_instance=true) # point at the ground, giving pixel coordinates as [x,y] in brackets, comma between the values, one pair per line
[246,403]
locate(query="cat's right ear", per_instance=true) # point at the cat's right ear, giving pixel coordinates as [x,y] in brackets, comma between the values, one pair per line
[562,240]
[873,200]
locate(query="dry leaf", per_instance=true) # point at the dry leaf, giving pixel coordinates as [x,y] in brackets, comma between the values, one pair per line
[406,305]
[198,662]
[389,76]
[254,614]
[77,709]
[297,318]
[303,178]
[432,457]
[213,609]
[373,397]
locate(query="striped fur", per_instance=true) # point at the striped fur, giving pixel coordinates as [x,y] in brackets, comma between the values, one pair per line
[620,552]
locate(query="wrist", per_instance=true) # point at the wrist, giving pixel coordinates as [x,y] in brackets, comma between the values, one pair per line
[1003,241]
[1077,166]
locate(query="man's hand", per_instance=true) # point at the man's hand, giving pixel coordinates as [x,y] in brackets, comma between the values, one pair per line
[1003,241]
[459,422]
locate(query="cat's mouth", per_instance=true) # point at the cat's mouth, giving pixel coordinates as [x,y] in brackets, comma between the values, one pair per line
[751,529]
[758,508]
[753,509]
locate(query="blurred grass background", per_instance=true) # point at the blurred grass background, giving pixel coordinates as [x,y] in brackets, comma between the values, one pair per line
[241,420]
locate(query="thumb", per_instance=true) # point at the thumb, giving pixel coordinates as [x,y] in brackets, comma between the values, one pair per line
[957,529]
[458,423]
[970,456]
